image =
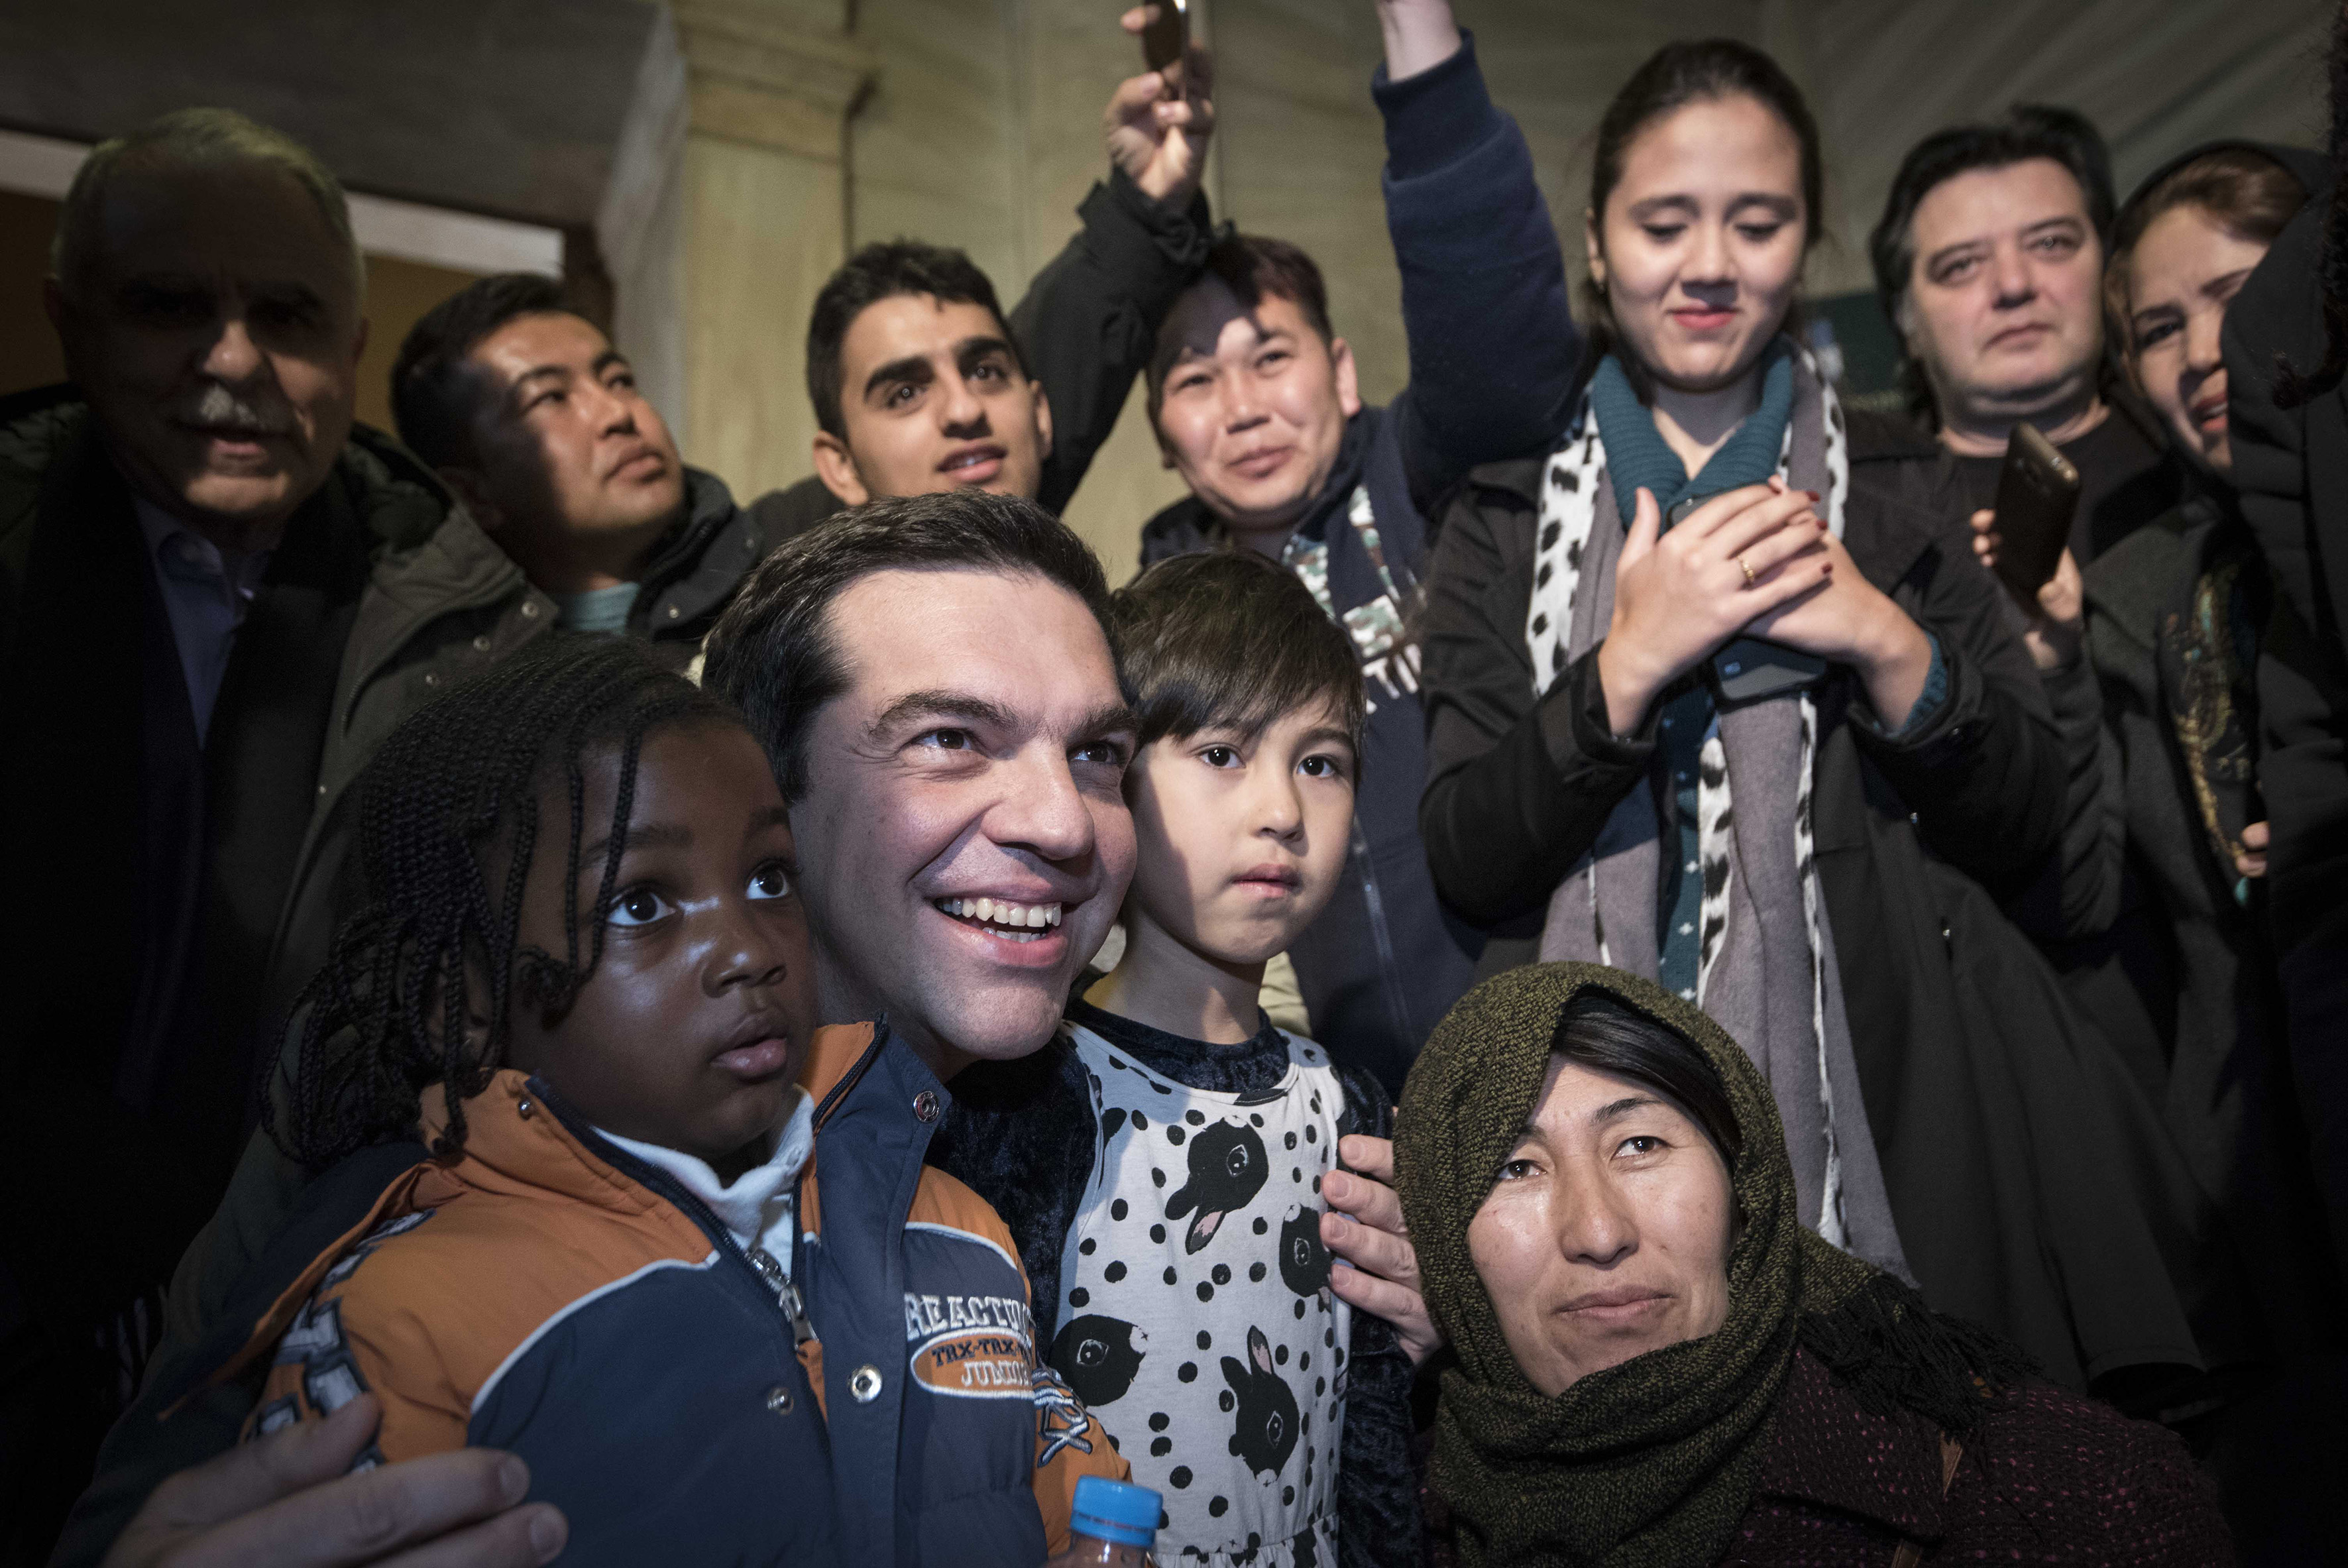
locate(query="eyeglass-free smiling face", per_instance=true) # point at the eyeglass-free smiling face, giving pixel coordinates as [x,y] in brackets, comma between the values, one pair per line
[1700,247]
[1607,1231]
[963,838]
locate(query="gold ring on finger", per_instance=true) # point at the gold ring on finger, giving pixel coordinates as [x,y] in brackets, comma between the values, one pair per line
[1749,578]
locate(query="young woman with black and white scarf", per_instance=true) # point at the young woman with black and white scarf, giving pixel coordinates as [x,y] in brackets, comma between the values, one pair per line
[1709,702]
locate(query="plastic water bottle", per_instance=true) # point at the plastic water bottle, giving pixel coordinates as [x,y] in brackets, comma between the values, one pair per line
[1113,1526]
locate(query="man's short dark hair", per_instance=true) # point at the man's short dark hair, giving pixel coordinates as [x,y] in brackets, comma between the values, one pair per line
[879,272]
[774,653]
[430,401]
[1253,266]
[1228,640]
[2028,131]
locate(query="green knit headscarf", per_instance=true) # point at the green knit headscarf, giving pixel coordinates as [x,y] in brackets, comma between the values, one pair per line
[1651,1461]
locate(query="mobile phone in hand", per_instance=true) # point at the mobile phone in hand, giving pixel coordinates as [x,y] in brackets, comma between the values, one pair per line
[1167,37]
[2037,496]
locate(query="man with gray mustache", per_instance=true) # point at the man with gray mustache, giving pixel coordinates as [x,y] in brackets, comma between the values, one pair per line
[217,596]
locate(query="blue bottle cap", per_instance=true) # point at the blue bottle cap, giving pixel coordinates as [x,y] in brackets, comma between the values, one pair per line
[1112,1511]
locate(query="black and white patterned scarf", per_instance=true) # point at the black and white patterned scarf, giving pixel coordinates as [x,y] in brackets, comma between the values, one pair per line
[1766,969]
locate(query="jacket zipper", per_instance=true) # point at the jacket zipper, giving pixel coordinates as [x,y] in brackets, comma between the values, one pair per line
[786,1289]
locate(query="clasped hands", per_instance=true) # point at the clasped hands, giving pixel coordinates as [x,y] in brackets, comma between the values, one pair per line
[1759,560]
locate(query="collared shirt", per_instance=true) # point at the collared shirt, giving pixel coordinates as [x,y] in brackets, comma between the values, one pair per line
[205,599]
[597,609]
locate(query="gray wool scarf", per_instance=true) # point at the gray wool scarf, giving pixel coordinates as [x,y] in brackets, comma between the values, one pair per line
[1766,971]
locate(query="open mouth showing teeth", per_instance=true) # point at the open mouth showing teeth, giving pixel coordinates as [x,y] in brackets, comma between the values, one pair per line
[1001,917]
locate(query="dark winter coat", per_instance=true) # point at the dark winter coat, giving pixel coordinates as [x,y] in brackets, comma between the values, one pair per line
[2047,1478]
[1085,329]
[2290,468]
[188,888]
[2029,1178]
[2136,848]
[1492,355]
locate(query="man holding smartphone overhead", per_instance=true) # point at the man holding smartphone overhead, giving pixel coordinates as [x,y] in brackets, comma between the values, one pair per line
[920,383]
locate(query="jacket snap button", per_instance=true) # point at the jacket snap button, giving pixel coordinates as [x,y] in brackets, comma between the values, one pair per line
[673,612]
[481,643]
[926,1105]
[864,1383]
[528,610]
[431,679]
[779,1401]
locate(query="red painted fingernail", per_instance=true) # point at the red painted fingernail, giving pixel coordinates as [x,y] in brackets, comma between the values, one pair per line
[1812,494]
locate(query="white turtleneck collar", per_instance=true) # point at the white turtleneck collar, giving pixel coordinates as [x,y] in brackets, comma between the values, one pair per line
[755,1207]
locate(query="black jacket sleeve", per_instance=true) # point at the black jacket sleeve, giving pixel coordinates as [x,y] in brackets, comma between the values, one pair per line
[1090,319]
[1021,1134]
[2291,466]
[1985,775]
[1517,787]
[1377,1491]
[1493,346]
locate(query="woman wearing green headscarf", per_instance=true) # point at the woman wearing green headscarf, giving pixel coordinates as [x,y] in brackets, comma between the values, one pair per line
[1657,1364]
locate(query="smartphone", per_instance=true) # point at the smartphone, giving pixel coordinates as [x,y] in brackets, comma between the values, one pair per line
[1746,669]
[2037,496]
[1167,36]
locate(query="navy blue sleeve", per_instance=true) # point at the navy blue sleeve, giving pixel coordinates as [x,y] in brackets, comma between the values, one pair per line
[1377,1491]
[1021,1134]
[1493,347]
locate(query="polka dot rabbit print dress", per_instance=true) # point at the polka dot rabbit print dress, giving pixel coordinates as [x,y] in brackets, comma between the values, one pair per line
[1196,1319]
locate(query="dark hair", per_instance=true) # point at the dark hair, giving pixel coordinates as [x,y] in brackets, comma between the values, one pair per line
[1228,639]
[448,824]
[2028,131]
[1253,266]
[1703,70]
[886,270]
[773,653]
[1610,1037]
[2248,193]
[429,403]
[2294,386]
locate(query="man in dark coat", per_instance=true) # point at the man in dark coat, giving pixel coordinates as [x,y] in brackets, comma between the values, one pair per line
[1255,402]
[527,411]
[920,383]
[1989,257]
[217,596]
[2289,423]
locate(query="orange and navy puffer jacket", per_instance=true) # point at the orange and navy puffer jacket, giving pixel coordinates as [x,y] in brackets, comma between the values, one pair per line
[548,1293]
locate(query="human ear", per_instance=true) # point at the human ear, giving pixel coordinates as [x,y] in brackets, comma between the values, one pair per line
[1043,421]
[835,465]
[1594,249]
[1348,376]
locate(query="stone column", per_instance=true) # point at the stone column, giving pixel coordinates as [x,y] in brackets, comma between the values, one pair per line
[727,210]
